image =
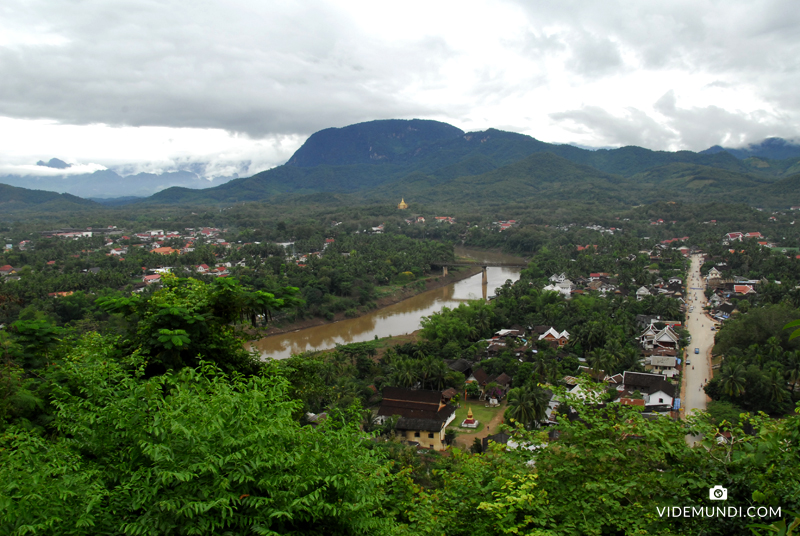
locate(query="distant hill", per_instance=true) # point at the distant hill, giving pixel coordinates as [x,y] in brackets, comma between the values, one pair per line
[372,142]
[13,198]
[771,148]
[434,162]
[54,163]
[107,183]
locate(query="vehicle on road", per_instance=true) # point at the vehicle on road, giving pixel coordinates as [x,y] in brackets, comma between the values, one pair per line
[688,363]
[697,350]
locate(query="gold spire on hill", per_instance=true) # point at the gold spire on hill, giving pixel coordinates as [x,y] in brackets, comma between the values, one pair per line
[402,205]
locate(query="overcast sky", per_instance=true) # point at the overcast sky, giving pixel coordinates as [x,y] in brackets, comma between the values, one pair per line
[157,84]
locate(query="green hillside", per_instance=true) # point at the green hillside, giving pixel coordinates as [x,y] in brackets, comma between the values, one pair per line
[699,180]
[14,198]
[433,161]
[539,176]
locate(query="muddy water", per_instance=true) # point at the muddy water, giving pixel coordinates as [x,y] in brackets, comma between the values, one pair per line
[397,319]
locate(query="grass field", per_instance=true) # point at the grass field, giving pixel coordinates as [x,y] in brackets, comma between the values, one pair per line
[483,414]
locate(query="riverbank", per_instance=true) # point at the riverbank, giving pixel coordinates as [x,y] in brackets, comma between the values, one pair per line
[432,282]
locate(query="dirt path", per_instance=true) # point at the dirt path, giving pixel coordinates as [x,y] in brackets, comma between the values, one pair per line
[491,428]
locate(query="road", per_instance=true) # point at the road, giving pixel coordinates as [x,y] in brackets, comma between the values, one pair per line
[699,326]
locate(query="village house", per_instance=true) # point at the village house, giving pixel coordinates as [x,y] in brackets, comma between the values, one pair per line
[642,293]
[564,287]
[551,335]
[653,338]
[664,364]
[743,290]
[657,392]
[165,251]
[460,365]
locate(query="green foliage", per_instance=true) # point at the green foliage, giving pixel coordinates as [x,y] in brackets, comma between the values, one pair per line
[192,452]
[527,405]
[187,319]
[796,332]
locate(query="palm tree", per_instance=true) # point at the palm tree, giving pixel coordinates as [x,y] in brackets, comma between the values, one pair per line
[483,320]
[601,360]
[733,381]
[404,373]
[792,369]
[776,385]
[527,404]
[592,335]
[539,366]
[437,373]
[774,350]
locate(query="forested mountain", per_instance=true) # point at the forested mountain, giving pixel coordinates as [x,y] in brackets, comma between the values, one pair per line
[429,161]
[375,141]
[772,148]
[13,198]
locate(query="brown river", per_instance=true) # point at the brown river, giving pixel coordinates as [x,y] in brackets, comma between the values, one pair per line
[398,319]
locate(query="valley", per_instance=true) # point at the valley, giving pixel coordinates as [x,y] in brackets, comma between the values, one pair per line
[194,298]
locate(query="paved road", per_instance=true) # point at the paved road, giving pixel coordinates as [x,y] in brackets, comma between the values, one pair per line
[699,326]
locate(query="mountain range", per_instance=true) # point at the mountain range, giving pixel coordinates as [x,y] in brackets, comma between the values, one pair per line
[428,161]
[106,183]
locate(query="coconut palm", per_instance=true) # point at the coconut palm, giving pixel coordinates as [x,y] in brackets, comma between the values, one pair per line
[774,350]
[733,380]
[527,404]
[483,320]
[776,385]
[404,373]
[539,365]
[436,373]
[791,369]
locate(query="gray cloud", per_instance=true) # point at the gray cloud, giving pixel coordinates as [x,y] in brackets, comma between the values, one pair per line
[634,128]
[593,55]
[269,69]
[702,127]
[694,128]
[245,67]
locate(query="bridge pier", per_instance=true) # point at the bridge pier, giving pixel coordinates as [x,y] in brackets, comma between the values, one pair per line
[444,271]
[485,280]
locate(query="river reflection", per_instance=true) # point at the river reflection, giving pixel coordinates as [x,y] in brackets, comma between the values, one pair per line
[398,319]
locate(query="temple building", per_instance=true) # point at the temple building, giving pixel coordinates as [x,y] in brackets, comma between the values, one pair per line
[403,205]
[423,415]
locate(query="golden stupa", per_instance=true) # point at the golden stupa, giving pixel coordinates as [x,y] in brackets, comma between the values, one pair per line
[402,205]
[470,419]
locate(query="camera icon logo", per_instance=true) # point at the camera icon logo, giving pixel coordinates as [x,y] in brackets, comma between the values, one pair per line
[718,493]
